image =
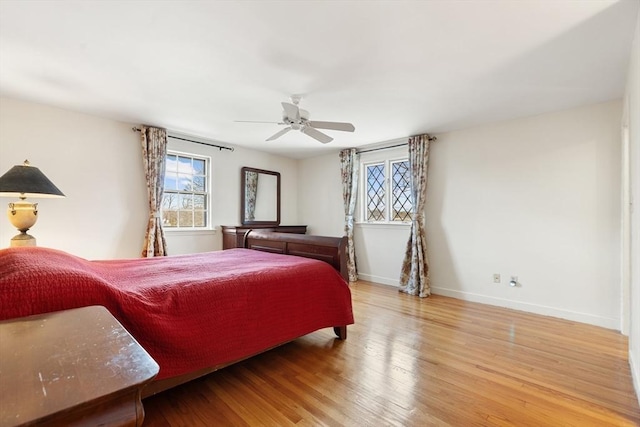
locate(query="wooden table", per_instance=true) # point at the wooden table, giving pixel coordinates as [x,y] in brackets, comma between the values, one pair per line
[72,367]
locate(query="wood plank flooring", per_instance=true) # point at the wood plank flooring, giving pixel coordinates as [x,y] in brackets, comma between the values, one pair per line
[420,362]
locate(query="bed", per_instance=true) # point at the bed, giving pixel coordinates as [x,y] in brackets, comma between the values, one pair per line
[193,313]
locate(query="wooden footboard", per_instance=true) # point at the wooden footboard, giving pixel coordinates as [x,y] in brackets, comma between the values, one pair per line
[331,250]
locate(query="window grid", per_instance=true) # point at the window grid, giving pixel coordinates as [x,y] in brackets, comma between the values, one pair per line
[401,191]
[387,197]
[376,194]
[185,199]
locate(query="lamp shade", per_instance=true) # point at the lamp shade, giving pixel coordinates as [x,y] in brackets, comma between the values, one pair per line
[27,181]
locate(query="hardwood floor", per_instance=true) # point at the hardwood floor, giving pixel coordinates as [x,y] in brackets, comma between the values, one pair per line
[420,362]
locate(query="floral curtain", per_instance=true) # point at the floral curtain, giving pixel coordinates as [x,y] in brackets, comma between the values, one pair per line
[414,278]
[154,153]
[251,192]
[349,166]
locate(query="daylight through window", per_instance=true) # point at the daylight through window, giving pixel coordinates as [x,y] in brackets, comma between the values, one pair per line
[376,194]
[388,192]
[185,203]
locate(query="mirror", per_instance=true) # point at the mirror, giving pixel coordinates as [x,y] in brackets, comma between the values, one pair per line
[259,197]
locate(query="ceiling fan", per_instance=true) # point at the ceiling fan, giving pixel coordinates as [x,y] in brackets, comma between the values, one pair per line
[296,118]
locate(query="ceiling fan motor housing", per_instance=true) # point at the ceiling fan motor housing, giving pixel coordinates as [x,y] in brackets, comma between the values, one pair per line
[298,119]
[304,117]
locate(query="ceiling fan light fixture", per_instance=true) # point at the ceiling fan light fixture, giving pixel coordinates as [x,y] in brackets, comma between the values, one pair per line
[298,119]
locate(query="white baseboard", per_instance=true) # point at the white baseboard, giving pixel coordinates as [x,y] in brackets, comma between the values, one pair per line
[635,375]
[605,322]
[378,279]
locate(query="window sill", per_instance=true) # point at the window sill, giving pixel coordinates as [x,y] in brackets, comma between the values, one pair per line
[190,232]
[389,225]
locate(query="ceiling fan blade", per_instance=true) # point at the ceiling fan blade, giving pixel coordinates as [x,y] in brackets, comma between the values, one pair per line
[292,111]
[279,134]
[256,121]
[316,134]
[347,127]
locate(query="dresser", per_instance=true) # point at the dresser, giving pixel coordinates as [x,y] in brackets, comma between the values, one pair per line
[76,367]
[233,235]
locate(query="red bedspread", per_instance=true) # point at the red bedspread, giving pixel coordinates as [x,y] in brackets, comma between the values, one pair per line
[189,311]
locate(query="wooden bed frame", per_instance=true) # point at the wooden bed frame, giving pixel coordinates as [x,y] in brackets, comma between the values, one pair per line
[331,250]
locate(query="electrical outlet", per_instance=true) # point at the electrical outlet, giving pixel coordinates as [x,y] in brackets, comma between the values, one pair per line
[496,278]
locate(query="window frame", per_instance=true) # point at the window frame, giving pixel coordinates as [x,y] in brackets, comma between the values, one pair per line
[388,186]
[208,193]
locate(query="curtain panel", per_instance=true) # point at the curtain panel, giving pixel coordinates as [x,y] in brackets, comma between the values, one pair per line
[251,193]
[349,166]
[154,154]
[414,278]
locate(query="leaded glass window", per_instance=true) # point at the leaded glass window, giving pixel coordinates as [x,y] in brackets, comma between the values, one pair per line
[376,194]
[400,191]
[388,192]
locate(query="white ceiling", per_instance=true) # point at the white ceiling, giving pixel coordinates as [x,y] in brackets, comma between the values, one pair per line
[392,68]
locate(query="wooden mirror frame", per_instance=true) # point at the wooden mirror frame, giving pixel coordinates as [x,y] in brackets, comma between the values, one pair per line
[243,182]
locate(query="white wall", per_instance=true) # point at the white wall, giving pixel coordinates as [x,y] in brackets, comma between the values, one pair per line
[320,195]
[536,198]
[632,113]
[97,163]
[380,252]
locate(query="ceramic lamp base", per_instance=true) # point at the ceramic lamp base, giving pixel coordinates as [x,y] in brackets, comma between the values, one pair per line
[23,239]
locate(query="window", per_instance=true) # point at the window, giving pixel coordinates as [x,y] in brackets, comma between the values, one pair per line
[185,203]
[387,197]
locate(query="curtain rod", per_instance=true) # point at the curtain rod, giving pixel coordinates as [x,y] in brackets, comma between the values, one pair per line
[220,147]
[382,148]
[431,138]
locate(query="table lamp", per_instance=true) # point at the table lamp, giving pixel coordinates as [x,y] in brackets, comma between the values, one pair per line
[24,181]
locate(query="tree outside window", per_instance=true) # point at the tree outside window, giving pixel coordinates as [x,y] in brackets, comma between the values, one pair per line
[186,196]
